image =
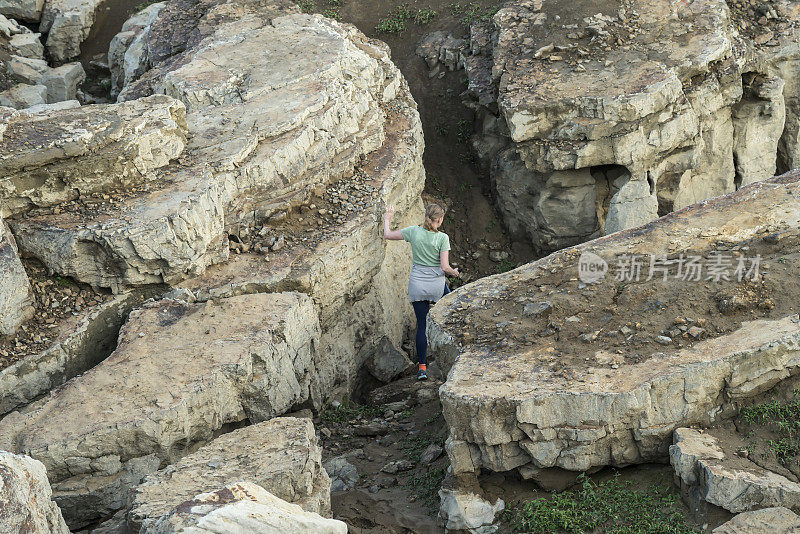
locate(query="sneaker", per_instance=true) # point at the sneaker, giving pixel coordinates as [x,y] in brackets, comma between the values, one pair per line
[422,374]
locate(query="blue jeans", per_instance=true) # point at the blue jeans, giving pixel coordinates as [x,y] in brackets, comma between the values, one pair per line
[421,308]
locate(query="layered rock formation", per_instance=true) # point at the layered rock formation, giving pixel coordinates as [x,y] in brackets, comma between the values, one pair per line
[254,187]
[243,507]
[546,371]
[25,504]
[281,456]
[591,122]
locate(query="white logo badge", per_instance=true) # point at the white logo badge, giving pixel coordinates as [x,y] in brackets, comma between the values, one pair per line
[591,268]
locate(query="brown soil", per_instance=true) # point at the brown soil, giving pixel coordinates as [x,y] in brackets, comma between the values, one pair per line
[55,299]
[599,316]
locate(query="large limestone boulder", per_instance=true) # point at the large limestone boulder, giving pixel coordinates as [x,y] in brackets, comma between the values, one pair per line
[548,371]
[731,482]
[242,508]
[50,157]
[281,456]
[16,297]
[25,503]
[683,99]
[262,136]
[778,520]
[179,373]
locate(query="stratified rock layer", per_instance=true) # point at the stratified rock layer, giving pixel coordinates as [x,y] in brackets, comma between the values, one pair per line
[607,116]
[47,158]
[521,391]
[179,373]
[25,504]
[281,455]
[243,508]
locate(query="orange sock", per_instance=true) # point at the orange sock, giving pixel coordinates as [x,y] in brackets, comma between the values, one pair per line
[423,367]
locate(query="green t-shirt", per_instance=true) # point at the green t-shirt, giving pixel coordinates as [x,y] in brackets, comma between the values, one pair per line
[426,245]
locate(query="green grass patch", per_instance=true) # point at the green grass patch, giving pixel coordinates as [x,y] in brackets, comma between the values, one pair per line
[413,446]
[781,417]
[505,266]
[464,130]
[349,411]
[473,12]
[426,486]
[611,507]
[397,20]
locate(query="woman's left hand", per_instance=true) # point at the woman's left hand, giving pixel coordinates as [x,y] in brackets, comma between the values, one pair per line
[389,213]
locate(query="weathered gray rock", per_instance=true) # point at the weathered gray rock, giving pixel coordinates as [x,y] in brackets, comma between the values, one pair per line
[67,24]
[343,474]
[62,82]
[27,70]
[103,431]
[79,344]
[464,511]
[127,53]
[27,10]
[27,45]
[243,508]
[10,27]
[440,46]
[25,504]
[701,466]
[525,412]
[23,96]
[683,119]
[281,455]
[778,520]
[386,362]
[16,297]
[50,157]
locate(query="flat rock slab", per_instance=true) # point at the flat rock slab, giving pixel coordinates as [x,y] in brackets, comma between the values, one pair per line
[25,503]
[280,455]
[79,344]
[244,508]
[179,373]
[51,157]
[728,481]
[776,520]
[518,394]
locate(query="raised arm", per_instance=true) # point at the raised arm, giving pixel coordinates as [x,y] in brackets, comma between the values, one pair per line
[444,262]
[387,222]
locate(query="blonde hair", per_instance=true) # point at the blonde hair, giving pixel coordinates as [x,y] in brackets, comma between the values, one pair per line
[432,212]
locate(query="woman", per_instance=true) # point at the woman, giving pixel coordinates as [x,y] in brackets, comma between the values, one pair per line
[430,249]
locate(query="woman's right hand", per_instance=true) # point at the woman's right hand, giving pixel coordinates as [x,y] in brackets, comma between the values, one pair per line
[456,273]
[389,213]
